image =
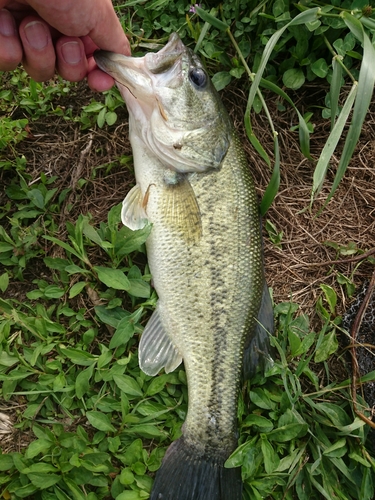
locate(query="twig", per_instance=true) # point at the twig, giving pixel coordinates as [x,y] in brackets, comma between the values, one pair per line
[353,335]
[342,261]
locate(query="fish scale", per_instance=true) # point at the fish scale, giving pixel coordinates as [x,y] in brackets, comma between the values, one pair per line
[205,255]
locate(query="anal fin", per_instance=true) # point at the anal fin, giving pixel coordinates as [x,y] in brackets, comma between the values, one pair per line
[258,351]
[156,350]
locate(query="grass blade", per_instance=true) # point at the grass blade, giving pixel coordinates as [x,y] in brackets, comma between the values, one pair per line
[304,134]
[335,88]
[209,18]
[273,185]
[252,137]
[331,143]
[366,83]
[305,17]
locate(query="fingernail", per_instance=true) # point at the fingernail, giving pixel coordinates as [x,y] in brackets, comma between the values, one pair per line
[7,24]
[36,34]
[71,52]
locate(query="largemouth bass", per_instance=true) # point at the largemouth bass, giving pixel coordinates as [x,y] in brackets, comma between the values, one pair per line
[205,254]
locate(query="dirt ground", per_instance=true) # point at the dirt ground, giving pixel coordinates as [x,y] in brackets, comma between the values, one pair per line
[303,261]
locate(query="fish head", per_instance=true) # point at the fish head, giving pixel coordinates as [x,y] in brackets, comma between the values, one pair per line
[173,105]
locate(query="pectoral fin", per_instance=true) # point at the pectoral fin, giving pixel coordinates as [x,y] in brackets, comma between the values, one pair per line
[258,351]
[156,350]
[133,214]
[181,210]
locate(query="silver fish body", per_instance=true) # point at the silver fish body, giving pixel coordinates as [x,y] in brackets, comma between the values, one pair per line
[204,253]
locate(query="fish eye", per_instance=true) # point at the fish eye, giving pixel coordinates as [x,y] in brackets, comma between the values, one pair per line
[198,77]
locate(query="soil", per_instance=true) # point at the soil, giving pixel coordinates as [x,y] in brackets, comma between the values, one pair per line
[88,162]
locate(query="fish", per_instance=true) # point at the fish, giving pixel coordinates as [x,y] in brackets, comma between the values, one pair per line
[214,311]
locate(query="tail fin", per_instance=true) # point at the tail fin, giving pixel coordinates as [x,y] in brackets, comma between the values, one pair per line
[185,475]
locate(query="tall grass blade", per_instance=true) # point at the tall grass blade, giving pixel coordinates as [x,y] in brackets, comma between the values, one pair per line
[273,185]
[305,17]
[335,88]
[366,83]
[252,137]
[211,19]
[304,134]
[331,143]
[202,36]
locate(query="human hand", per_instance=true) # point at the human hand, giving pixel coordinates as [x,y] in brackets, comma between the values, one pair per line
[61,34]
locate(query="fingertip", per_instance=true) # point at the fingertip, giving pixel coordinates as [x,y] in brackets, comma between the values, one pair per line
[71,59]
[10,44]
[39,52]
[99,81]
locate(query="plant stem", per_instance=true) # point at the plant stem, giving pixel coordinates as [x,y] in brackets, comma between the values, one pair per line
[338,58]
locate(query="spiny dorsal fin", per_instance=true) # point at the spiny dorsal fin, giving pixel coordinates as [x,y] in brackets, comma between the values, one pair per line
[156,350]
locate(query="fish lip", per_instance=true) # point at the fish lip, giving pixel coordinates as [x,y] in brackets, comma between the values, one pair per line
[160,61]
[140,74]
[125,70]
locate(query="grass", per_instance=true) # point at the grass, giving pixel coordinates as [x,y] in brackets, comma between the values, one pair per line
[76,293]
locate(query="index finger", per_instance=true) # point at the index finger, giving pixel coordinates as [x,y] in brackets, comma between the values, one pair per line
[108,33]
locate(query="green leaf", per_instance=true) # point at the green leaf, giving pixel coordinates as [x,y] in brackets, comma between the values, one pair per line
[38,446]
[239,456]
[261,424]
[139,288]
[128,385]
[4,281]
[6,462]
[320,68]
[42,480]
[126,476]
[78,356]
[221,80]
[36,197]
[66,247]
[336,414]
[124,332]
[53,292]
[293,78]
[157,384]
[260,398]
[93,107]
[367,485]
[110,118]
[113,278]
[287,432]
[209,18]
[331,297]
[328,346]
[271,459]
[145,430]
[82,383]
[74,489]
[77,289]
[130,495]
[337,450]
[100,421]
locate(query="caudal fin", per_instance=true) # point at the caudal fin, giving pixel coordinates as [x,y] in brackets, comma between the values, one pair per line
[185,475]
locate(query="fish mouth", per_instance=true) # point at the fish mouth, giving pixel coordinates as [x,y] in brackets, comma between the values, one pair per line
[141,75]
